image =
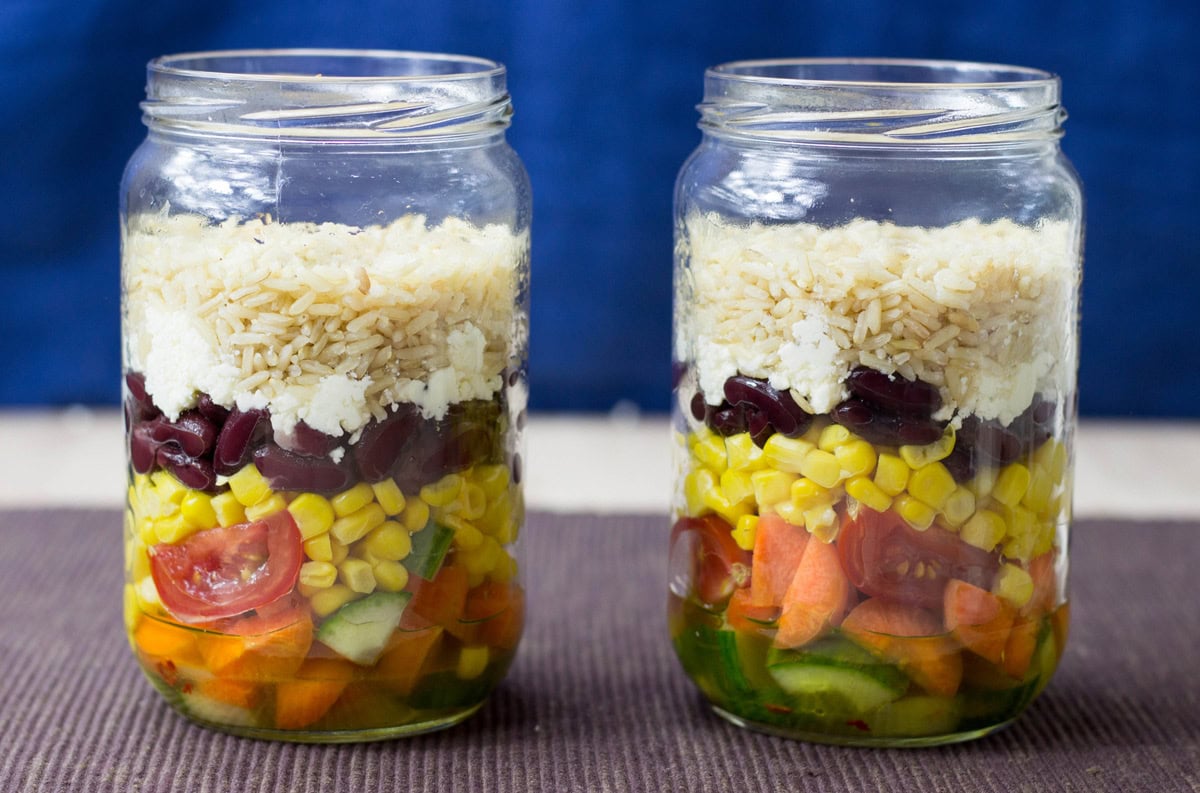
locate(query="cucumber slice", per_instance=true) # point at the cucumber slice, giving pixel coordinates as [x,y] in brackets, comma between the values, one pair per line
[917,717]
[429,548]
[359,631]
[834,671]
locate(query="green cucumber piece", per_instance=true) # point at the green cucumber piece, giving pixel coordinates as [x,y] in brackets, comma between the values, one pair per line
[429,547]
[359,631]
[917,717]
[833,671]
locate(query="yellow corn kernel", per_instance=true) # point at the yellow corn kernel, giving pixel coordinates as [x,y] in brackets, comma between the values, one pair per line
[786,454]
[168,487]
[891,474]
[330,600]
[985,529]
[1020,547]
[711,452]
[1052,457]
[319,548]
[505,569]
[470,503]
[983,481]
[915,512]
[1037,497]
[388,495]
[771,487]
[352,500]
[228,509]
[313,514]
[1013,584]
[834,436]
[472,662]
[318,575]
[742,453]
[358,575]
[267,506]
[789,511]
[145,531]
[416,514]
[1045,534]
[1020,520]
[307,591]
[921,456]
[173,529]
[390,576]
[822,467]
[147,595]
[822,523]
[736,485]
[443,491]
[857,458]
[480,560]
[813,433]
[337,552]
[696,485]
[1011,485]
[133,614]
[138,562]
[716,501]
[389,541]
[958,507]
[744,532]
[493,479]
[354,526]
[496,517]
[807,493]
[248,486]
[196,508]
[933,484]
[466,536]
[368,557]
[868,493]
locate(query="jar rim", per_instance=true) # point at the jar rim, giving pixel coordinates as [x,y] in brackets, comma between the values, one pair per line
[188,64]
[1005,75]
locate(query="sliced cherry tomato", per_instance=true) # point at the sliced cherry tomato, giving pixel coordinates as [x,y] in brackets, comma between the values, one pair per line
[706,563]
[223,572]
[885,557]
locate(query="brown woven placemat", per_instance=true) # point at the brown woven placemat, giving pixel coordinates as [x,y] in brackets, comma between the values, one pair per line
[596,700]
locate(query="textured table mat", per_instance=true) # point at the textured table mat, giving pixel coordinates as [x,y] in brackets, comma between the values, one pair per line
[596,700]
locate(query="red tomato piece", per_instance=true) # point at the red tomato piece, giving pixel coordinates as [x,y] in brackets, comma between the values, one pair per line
[224,572]
[885,557]
[705,562]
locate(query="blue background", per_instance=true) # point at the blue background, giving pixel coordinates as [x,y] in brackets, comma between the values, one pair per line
[604,95]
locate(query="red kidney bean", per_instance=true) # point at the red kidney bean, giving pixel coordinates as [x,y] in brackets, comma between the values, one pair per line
[286,470]
[882,428]
[311,443]
[988,440]
[194,472]
[143,449]
[960,463]
[784,416]
[243,432]
[194,434]
[759,426]
[517,469]
[215,413]
[698,407]
[381,443]
[139,406]
[896,395]
[727,420]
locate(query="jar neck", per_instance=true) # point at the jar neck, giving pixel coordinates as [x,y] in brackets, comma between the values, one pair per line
[882,103]
[332,96]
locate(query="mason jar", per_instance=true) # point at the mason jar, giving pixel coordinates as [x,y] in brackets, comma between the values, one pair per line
[325,320]
[876,306]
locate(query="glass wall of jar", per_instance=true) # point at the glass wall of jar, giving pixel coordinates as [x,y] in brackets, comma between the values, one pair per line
[877,276]
[325,323]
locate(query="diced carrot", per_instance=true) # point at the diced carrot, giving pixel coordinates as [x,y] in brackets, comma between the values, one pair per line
[743,615]
[778,548]
[1022,641]
[400,665]
[261,648]
[503,630]
[911,638]
[1060,621]
[318,684]
[1045,586]
[439,602]
[979,620]
[161,639]
[239,693]
[817,598]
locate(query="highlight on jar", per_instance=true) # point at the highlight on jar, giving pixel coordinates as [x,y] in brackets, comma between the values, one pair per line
[873,490]
[324,499]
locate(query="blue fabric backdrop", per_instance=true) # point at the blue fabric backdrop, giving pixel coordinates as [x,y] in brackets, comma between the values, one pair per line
[604,96]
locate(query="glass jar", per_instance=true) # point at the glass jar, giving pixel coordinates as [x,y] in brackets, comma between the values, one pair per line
[324,317]
[877,278]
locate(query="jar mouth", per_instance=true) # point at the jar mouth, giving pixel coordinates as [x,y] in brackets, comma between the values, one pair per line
[894,73]
[328,95]
[881,101]
[325,65]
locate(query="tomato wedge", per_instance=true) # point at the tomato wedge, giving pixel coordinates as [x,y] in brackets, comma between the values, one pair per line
[223,572]
[706,563]
[885,557]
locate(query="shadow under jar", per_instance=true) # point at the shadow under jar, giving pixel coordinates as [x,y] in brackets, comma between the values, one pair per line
[876,298]
[325,324]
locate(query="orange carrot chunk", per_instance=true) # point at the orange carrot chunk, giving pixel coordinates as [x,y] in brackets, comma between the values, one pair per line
[979,620]
[817,598]
[912,639]
[778,548]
